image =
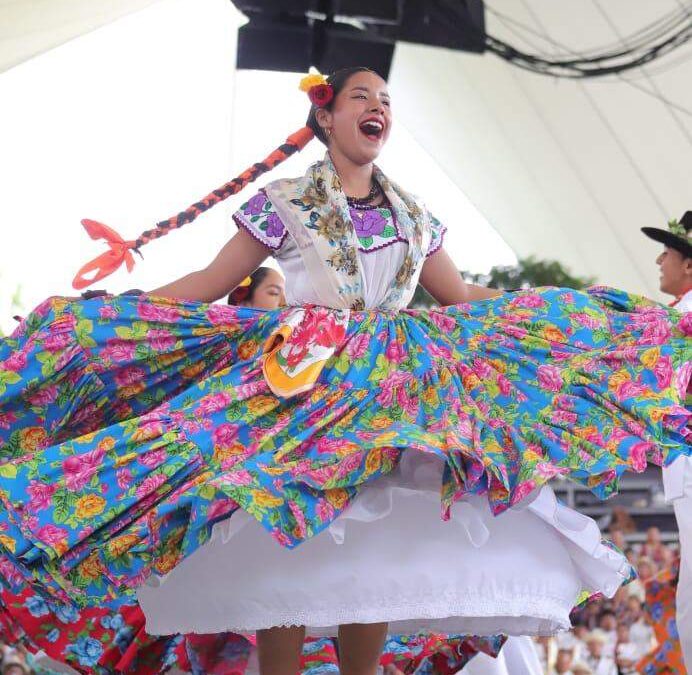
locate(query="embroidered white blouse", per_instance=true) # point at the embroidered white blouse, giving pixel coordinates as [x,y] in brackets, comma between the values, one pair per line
[382,248]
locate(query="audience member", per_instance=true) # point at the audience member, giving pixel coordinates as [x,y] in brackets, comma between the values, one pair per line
[610,636]
[563,662]
[626,652]
[546,648]
[621,520]
[607,622]
[600,662]
[641,633]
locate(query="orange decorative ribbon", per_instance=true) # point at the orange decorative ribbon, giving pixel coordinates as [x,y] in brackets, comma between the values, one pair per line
[119,252]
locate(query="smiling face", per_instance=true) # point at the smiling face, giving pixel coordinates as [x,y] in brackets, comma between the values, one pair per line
[360,119]
[676,271]
[645,569]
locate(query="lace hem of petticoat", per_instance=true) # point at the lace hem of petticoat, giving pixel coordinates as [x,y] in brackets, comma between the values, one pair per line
[432,605]
[547,613]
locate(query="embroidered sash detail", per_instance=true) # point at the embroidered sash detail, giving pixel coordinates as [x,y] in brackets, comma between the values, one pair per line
[295,355]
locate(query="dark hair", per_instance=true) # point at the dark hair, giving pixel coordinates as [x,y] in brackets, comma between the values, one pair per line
[337,80]
[245,293]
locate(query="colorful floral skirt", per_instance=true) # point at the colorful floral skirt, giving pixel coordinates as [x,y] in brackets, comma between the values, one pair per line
[62,639]
[132,426]
[94,640]
[420,655]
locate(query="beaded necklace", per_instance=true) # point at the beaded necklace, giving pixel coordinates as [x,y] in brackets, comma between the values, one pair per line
[360,202]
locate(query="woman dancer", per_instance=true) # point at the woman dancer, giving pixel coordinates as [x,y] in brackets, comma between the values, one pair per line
[189,430]
[263,289]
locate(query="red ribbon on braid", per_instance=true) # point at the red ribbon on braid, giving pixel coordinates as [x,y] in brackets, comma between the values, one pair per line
[108,262]
[120,250]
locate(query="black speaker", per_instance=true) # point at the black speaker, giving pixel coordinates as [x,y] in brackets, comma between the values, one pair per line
[454,24]
[368,11]
[292,35]
[294,46]
[275,45]
[371,11]
[351,48]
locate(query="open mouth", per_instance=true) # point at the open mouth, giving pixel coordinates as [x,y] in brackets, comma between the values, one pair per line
[373,129]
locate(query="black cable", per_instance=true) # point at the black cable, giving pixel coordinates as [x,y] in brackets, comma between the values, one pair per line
[657,92]
[668,22]
[674,19]
[515,27]
[586,67]
[644,46]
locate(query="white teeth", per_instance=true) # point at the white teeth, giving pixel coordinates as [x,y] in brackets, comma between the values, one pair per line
[372,126]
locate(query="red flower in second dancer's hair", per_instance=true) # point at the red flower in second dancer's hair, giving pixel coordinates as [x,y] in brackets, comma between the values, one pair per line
[321,94]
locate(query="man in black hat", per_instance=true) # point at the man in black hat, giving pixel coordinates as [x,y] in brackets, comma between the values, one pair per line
[676,279]
[676,260]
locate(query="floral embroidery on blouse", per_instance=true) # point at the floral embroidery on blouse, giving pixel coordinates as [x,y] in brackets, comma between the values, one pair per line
[258,217]
[376,227]
[438,231]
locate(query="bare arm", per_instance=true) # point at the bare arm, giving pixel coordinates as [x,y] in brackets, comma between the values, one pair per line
[241,256]
[442,280]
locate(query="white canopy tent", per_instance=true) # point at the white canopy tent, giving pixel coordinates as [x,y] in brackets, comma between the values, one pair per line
[561,169]
[31,27]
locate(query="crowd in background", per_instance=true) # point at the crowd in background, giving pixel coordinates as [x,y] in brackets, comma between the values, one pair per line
[610,637]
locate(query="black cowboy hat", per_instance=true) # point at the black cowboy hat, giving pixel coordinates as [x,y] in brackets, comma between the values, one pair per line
[677,236]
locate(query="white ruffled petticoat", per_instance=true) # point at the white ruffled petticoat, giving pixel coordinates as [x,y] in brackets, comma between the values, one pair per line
[390,557]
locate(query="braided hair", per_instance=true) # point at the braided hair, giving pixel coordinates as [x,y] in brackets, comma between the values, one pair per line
[120,250]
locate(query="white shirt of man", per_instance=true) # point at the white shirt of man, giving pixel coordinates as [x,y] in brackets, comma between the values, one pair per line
[628,652]
[611,638]
[677,487]
[604,665]
[685,304]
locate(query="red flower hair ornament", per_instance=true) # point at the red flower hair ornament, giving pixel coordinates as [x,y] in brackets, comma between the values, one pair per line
[319,91]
